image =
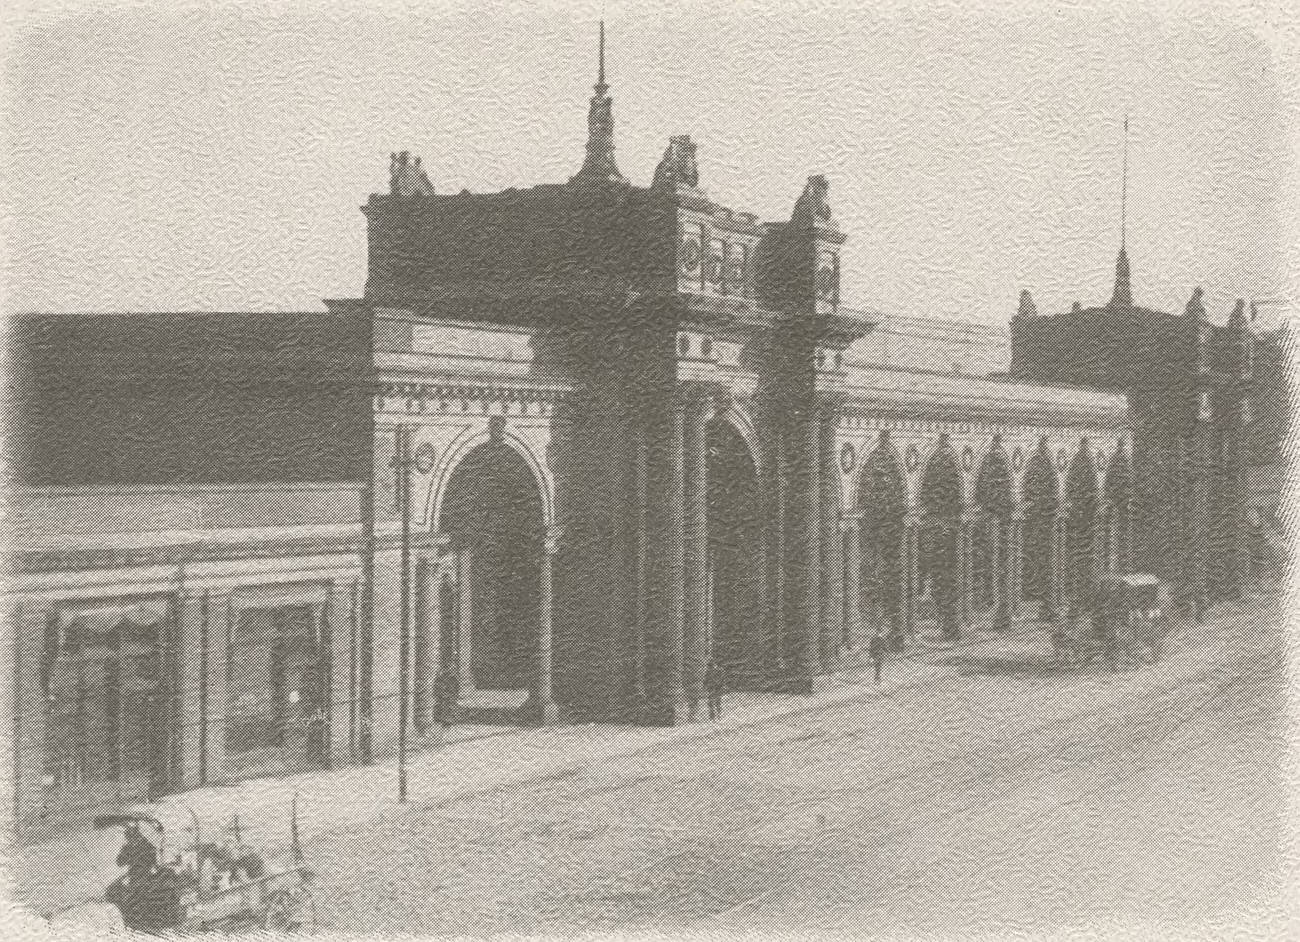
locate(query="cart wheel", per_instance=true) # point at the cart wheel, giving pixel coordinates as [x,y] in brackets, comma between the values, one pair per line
[283,912]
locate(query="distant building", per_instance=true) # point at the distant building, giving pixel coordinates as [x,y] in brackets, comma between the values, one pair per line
[1188,383]
[640,427]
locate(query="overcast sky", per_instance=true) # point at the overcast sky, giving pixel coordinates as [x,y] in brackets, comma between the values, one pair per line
[214,156]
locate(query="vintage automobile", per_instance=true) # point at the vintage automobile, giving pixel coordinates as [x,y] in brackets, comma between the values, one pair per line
[206,887]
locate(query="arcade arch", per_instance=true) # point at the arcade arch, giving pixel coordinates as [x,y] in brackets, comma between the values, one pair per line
[492,510]
[882,500]
[1040,498]
[736,555]
[991,537]
[940,558]
[1080,526]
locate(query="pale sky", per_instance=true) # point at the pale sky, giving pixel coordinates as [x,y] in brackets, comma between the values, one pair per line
[214,155]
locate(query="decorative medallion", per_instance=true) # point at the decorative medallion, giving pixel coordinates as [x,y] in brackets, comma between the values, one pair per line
[425,457]
[912,458]
[1017,460]
[690,253]
[848,457]
[968,459]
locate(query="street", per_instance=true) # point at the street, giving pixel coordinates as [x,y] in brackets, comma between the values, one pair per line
[1012,796]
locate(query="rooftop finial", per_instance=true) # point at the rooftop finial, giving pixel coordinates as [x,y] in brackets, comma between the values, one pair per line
[1123,295]
[600,79]
[1123,193]
[599,166]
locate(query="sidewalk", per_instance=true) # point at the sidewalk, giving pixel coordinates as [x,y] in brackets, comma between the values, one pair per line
[75,867]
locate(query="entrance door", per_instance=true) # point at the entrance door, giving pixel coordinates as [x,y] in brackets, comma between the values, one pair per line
[104,681]
[275,691]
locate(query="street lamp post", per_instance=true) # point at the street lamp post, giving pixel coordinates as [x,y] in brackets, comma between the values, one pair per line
[402,464]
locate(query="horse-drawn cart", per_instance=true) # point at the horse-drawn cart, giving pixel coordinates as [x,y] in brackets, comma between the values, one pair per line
[1129,622]
[206,887]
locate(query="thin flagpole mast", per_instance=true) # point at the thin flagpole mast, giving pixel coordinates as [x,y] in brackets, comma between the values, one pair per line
[1123,197]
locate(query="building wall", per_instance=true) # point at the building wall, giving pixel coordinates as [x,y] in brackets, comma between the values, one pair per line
[205,553]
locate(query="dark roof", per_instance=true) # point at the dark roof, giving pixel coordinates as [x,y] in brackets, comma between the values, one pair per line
[189,397]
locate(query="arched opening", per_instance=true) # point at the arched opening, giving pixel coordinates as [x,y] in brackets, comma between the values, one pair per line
[492,511]
[1119,495]
[1040,497]
[939,557]
[883,500]
[735,557]
[1080,526]
[990,556]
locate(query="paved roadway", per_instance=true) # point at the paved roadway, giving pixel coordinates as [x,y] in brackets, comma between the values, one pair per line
[1007,798]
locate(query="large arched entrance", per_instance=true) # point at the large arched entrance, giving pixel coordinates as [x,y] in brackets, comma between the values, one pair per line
[492,510]
[736,561]
[1080,526]
[1040,497]
[939,558]
[992,537]
[883,501]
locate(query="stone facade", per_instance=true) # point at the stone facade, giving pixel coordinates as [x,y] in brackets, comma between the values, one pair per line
[571,442]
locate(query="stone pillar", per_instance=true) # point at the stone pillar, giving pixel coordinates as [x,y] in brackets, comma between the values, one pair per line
[1059,561]
[1016,564]
[832,602]
[666,593]
[1101,539]
[910,571]
[965,570]
[1003,581]
[540,707]
[804,553]
[851,538]
[698,627]
[465,619]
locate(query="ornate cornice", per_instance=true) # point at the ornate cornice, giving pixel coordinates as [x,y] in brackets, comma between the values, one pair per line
[450,395]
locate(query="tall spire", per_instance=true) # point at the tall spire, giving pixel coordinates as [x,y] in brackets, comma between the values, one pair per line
[599,166]
[1123,295]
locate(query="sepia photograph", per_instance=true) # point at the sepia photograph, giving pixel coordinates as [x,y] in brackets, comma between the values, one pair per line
[638,470]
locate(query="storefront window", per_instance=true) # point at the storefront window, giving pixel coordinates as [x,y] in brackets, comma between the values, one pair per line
[274,687]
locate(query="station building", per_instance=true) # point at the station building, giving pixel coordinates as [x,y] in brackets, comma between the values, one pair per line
[571,442]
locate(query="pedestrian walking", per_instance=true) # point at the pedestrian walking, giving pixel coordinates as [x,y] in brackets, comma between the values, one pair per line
[877,652]
[713,687]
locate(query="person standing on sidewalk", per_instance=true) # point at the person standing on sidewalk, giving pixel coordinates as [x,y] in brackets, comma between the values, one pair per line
[446,689]
[877,652]
[713,686]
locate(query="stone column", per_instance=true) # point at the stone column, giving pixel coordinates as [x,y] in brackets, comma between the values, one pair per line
[540,707]
[910,571]
[1101,539]
[1016,563]
[851,537]
[698,628]
[1059,560]
[1002,576]
[965,571]
[804,553]
[832,603]
[465,619]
